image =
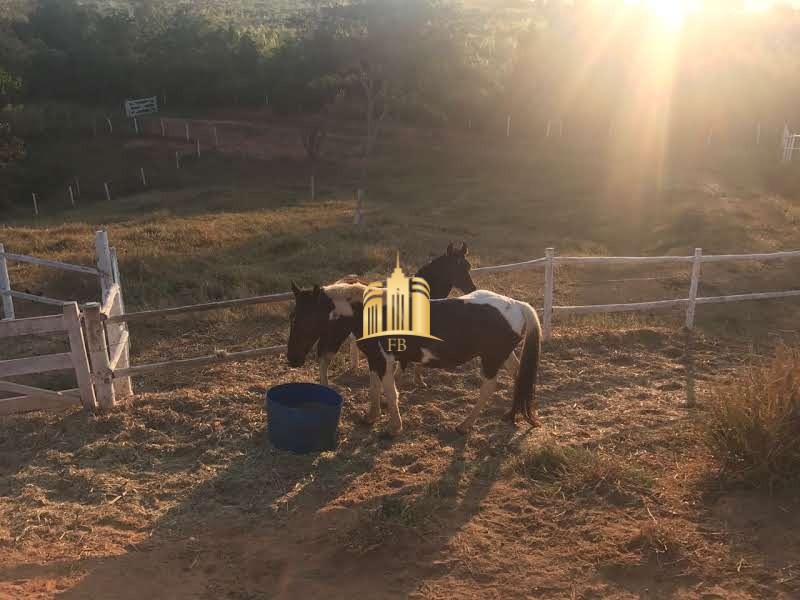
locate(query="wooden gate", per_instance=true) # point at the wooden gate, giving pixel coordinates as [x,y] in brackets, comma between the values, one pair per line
[32,398]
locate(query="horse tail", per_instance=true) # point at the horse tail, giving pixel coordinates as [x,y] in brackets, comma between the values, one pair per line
[525,384]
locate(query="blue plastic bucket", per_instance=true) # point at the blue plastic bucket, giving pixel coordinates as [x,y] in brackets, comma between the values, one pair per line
[303,417]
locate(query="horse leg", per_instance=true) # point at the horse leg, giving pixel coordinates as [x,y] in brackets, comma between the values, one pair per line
[353,353]
[418,376]
[512,363]
[374,398]
[488,388]
[390,389]
[324,361]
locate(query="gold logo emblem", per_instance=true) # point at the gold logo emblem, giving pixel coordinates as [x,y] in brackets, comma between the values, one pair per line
[399,306]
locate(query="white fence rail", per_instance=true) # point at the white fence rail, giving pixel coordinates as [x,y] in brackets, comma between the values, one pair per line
[107,338]
[551,260]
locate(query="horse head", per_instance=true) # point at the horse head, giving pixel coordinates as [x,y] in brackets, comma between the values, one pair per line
[451,270]
[308,321]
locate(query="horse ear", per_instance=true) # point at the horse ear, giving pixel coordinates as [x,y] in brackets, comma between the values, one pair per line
[450,249]
[464,250]
[295,289]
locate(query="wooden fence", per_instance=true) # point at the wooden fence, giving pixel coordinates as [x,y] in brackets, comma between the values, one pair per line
[103,345]
[107,337]
[548,263]
[32,398]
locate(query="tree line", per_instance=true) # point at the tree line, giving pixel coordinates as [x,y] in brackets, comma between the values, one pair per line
[601,64]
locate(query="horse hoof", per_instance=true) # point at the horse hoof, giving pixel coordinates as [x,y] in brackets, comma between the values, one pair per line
[510,416]
[394,431]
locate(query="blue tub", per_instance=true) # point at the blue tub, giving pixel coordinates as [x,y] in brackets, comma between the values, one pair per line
[303,417]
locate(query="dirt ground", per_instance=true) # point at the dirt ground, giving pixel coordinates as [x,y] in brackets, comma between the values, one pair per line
[180,495]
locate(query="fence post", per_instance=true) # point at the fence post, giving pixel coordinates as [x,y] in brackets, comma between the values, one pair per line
[186,125]
[163,128]
[216,138]
[5,286]
[104,263]
[71,195]
[108,192]
[177,160]
[547,325]
[78,186]
[118,334]
[144,179]
[98,354]
[358,217]
[110,126]
[690,309]
[136,125]
[35,205]
[80,360]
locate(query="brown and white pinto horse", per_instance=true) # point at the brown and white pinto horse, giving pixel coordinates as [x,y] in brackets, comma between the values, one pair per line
[451,270]
[481,324]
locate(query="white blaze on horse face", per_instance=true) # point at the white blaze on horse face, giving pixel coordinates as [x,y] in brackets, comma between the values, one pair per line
[508,307]
[427,356]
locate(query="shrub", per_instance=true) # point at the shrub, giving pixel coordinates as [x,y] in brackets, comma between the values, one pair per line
[753,426]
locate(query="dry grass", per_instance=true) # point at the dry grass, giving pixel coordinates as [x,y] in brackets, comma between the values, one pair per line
[753,425]
[178,494]
[578,471]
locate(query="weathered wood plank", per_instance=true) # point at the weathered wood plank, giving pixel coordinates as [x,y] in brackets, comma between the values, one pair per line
[178,310]
[35,364]
[43,262]
[108,304]
[80,358]
[520,266]
[21,404]
[35,298]
[744,297]
[32,326]
[98,356]
[118,350]
[766,256]
[620,260]
[5,286]
[609,308]
[199,361]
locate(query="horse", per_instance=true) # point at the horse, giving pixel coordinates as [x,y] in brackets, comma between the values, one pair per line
[480,324]
[451,270]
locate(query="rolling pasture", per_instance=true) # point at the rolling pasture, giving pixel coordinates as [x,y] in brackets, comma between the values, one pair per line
[178,494]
